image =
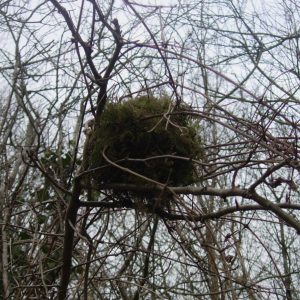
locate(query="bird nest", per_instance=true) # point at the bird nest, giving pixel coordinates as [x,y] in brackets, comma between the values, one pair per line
[144,140]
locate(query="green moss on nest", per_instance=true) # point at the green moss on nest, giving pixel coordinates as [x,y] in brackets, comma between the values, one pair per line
[140,129]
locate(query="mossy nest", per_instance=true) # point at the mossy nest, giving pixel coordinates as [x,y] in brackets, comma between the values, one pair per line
[149,136]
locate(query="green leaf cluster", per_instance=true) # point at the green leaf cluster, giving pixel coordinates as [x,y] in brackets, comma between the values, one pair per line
[153,132]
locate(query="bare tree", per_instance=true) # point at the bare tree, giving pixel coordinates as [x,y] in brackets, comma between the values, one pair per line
[233,67]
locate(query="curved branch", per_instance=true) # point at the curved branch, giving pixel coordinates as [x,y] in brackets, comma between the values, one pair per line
[264,203]
[200,218]
[77,38]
